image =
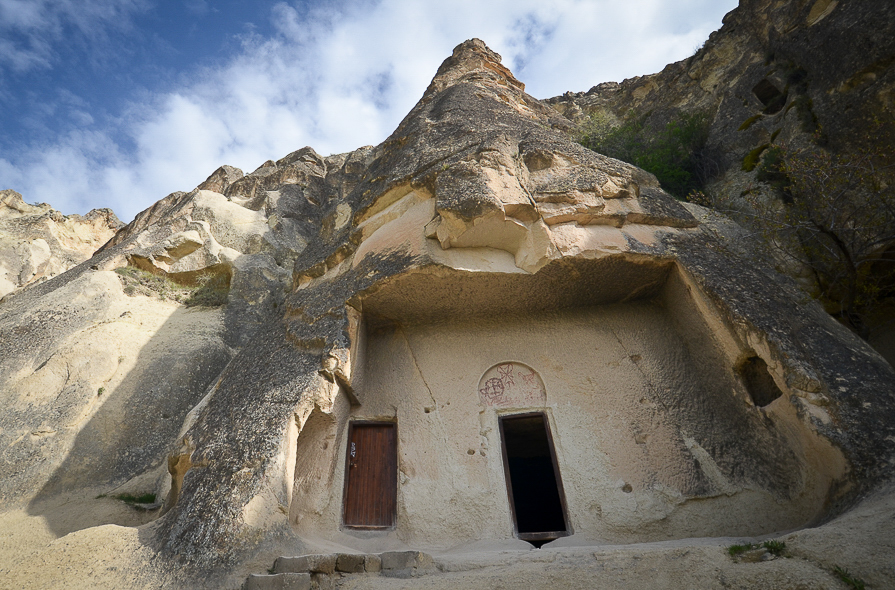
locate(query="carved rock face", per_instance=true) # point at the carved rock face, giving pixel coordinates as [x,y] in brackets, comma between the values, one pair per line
[479,262]
[477,207]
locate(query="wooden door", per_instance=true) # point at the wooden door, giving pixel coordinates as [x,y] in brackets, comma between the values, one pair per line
[371,475]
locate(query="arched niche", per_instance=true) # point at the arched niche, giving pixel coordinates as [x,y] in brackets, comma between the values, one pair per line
[511,384]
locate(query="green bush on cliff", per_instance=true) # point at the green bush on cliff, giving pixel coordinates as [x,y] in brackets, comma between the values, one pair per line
[848,578]
[674,153]
[208,290]
[753,157]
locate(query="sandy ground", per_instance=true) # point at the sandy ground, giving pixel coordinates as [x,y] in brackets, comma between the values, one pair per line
[102,556]
[113,556]
[107,556]
[675,565]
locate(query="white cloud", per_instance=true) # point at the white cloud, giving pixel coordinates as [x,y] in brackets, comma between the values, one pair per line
[30,29]
[339,78]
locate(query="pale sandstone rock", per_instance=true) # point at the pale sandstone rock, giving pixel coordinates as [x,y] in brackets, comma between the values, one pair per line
[323,564]
[206,236]
[406,564]
[37,242]
[221,179]
[419,268]
[351,563]
[278,582]
[90,356]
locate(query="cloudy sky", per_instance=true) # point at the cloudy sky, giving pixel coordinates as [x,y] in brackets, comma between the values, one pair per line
[116,103]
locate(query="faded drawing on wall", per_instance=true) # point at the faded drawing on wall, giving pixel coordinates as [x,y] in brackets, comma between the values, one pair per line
[512,384]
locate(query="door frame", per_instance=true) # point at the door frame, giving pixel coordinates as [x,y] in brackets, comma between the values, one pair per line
[544,535]
[351,425]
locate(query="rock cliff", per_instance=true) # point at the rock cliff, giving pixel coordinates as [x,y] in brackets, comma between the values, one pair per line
[37,242]
[768,78]
[743,409]
[770,70]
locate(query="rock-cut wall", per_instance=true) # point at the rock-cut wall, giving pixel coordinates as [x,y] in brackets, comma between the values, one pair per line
[689,389]
[476,205]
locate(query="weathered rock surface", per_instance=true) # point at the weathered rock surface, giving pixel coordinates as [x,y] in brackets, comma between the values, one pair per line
[769,71]
[471,181]
[476,229]
[770,77]
[38,242]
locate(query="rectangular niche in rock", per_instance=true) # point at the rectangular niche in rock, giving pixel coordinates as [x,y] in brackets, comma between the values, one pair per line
[534,485]
[371,476]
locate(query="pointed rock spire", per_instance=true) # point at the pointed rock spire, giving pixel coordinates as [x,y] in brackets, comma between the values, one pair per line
[472,60]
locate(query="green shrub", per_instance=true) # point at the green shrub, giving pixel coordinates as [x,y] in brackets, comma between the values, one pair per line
[674,153]
[753,157]
[853,582]
[735,550]
[140,282]
[775,548]
[748,122]
[208,290]
[131,499]
[211,292]
[770,170]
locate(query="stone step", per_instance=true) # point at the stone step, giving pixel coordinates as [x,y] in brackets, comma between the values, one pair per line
[406,564]
[318,571]
[286,581]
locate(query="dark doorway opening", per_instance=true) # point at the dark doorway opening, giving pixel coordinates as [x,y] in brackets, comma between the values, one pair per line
[371,476]
[533,481]
[761,386]
[770,96]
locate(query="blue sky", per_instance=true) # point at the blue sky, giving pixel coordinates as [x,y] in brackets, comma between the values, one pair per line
[116,103]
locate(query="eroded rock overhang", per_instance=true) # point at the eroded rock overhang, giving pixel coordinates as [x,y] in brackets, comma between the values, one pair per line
[479,196]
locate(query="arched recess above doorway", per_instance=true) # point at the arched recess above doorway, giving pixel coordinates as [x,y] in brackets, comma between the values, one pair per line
[511,384]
